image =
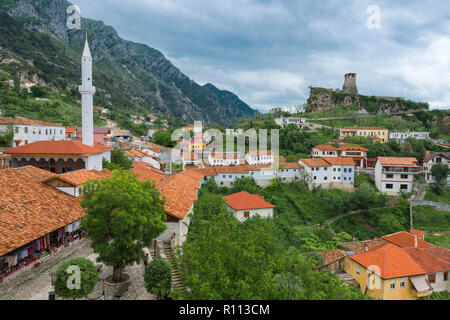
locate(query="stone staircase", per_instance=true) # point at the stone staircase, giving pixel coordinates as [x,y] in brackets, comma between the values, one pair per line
[345,277]
[167,254]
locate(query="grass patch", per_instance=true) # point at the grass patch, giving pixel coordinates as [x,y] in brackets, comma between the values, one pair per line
[439,240]
[443,198]
[430,219]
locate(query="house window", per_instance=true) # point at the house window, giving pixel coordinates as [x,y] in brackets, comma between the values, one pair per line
[349,170]
[392,284]
[358,270]
[26,129]
[325,168]
[325,178]
[26,141]
[389,176]
[432,278]
[404,176]
[389,186]
[403,187]
[334,169]
[246,214]
[345,169]
[403,283]
[446,276]
[315,178]
[16,129]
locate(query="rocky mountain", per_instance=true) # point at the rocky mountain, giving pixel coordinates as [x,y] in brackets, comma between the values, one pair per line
[129,76]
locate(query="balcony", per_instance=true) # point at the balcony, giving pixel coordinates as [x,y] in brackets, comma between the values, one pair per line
[400,170]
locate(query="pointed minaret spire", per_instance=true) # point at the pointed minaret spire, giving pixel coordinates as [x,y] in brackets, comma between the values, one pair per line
[87,91]
[86,51]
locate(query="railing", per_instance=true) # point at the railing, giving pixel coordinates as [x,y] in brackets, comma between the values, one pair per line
[401,170]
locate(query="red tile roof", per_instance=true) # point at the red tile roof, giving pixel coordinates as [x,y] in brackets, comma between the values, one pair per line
[30,209]
[398,162]
[315,162]
[402,262]
[340,161]
[246,201]
[404,239]
[30,122]
[79,177]
[419,233]
[147,172]
[259,153]
[63,147]
[221,155]
[364,128]
[325,147]
[352,148]
[331,256]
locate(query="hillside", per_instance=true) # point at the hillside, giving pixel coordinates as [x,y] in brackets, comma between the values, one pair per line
[322,99]
[35,44]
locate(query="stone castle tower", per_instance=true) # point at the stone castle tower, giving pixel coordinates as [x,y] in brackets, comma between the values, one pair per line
[350,84]
[87,91]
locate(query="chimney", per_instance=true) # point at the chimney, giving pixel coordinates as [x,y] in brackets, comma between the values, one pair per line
[366,247]
[415,241]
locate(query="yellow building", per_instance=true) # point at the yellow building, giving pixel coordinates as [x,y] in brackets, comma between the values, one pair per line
[390,272]
[197,146]
[375,133]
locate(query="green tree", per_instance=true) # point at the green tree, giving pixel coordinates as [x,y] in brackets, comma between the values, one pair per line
[123,216]
[119,160]
[158,278]
[66,285]
[440,171]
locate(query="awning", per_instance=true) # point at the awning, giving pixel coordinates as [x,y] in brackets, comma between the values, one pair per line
[421,283]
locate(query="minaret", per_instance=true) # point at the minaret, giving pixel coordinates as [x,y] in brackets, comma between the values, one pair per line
[87,91]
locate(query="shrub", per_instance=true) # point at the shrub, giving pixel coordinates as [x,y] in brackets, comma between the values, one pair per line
[158,279]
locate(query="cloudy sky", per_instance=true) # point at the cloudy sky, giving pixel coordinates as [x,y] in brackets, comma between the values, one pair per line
[270,52]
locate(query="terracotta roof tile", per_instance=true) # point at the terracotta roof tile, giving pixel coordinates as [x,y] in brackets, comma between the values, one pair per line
[63,147]
[393,161]
[325,147]
[260,153]
[246,201]
[315,162]
[352,148]
[404,239]
[30,122]
[331,256]
[147,172]
[30,209]
[419,233]
[340,161]
[79,177]
[402,262]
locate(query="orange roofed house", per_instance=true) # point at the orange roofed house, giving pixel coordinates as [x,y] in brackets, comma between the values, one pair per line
[330,172]
[28,131]
[59,156]
[38,214]
[404,267]
[393,175]
[245,205]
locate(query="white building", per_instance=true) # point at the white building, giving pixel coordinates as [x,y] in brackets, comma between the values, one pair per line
[224,159]
[62,156]
[402,136]
[330,172]
[431,160]
[245,205]
[28,131]
[299,122]
[393,175]
[324,150]
[259,157]
[59,156]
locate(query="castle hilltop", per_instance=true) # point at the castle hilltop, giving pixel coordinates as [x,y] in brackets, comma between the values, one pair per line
[322,99]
